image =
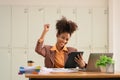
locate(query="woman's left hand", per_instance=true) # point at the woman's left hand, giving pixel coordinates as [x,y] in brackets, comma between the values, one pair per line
[80,61]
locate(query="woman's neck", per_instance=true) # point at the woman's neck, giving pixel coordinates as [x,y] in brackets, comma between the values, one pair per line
[59,48]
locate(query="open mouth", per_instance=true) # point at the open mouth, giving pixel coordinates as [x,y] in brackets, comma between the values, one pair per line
[62,44]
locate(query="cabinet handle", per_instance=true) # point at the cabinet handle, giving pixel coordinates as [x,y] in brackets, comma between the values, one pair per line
[26,10]
[105,46]
[9,46]
[74,11]
[58,11]
[90,11]
[105,11]
[41,9]
[90,47]
[9,51]
[25,52]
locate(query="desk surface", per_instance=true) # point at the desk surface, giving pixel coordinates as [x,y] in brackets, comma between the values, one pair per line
[74,75]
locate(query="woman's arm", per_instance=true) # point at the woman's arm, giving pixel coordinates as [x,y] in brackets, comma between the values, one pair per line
[46,29]
[39,46]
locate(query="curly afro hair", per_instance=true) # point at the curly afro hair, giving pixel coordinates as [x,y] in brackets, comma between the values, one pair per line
[65,25]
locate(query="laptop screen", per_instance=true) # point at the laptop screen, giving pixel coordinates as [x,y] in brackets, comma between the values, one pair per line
[92,61]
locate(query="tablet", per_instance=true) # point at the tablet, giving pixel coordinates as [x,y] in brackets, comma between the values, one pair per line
[70,63]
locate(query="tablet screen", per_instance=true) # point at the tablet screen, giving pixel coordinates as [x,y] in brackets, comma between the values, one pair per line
[70,63]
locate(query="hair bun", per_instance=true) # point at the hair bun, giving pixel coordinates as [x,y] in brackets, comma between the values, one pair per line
[64,25]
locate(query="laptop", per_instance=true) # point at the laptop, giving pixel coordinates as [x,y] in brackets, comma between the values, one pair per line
[92,61]
[70,63]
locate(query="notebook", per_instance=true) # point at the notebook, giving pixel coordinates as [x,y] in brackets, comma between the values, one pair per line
[70,63]
[92,61]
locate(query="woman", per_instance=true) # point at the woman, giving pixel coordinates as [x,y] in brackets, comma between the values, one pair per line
[56,56]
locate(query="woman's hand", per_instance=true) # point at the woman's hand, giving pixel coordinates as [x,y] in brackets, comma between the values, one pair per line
[80,61]
[46,27]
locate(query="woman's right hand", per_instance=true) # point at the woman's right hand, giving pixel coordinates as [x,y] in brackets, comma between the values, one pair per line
[46,27]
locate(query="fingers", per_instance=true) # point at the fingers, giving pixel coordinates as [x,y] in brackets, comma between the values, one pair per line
[47,25]
[81,63]
[77,60]
[80,57]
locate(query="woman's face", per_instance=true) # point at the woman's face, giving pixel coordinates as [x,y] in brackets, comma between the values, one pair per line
[62,39]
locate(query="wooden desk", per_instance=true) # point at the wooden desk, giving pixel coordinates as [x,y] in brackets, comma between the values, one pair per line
[74,75]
